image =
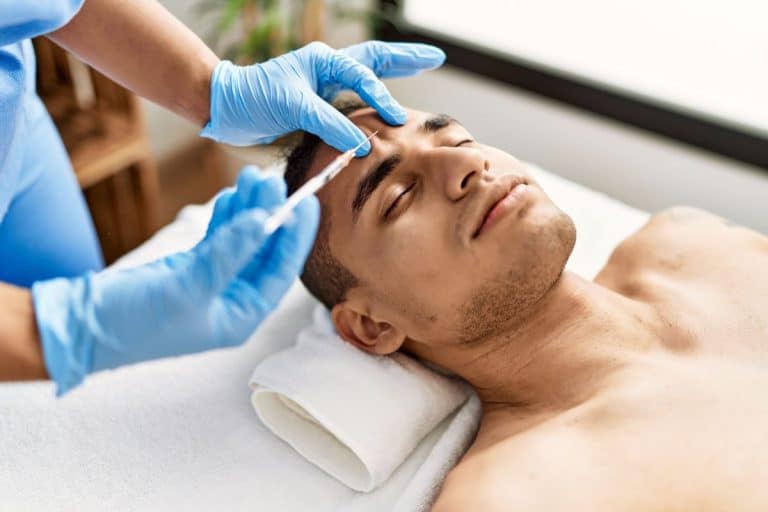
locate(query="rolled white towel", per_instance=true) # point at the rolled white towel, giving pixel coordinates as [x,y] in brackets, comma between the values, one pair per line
[354,415]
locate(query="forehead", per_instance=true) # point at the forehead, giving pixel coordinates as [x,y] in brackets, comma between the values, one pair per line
[340,191]
[368,121]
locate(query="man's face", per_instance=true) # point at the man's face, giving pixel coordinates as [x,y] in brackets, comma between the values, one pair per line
[450,239]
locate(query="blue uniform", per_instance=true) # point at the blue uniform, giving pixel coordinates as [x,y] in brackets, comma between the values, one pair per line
[45,228]
[215,294]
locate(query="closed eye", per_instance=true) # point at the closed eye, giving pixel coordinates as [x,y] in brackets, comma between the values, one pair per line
[397,200]
[394,204]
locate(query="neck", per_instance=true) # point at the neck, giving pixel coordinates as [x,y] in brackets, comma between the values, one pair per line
[565,350]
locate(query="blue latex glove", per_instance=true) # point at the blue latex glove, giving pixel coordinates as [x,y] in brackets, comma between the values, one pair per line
[212,296]
[258,103]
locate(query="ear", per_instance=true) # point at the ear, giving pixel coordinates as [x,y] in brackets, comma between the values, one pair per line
[355,326]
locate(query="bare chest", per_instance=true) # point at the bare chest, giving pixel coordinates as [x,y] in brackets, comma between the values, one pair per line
[683,434]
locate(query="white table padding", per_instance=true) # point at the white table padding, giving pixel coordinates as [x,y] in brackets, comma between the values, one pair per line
[182,434]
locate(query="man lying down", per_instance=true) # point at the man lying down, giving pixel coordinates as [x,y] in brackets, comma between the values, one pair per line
[644,389]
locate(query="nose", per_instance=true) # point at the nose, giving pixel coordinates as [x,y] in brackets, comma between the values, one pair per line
[456,170]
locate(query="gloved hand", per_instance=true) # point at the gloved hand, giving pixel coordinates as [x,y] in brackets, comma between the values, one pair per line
[258,103]
[212,296]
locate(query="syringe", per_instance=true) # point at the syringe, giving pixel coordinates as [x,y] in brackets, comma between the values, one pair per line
[280,215]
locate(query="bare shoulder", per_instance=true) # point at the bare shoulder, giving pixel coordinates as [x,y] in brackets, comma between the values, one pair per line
[683,245]
[671,221]
[682,232]
[664,227]
[683,213]
[677,217]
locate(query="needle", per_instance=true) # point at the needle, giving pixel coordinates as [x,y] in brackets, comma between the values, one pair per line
[280,215]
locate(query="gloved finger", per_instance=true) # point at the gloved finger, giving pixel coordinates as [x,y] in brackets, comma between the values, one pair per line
[254,188]
[267,139]
[273,271]
[216,261]
[395,60]
[258,189]
[336,130]
[351,74]
[221,209]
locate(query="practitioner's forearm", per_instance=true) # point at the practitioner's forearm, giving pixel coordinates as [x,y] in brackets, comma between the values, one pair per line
[21,356]
[142,46]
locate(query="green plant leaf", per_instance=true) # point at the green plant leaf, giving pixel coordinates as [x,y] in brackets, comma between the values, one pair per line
[232,8]
[279,24]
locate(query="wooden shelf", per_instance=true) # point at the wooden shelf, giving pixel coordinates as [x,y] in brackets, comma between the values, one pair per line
[102,128]
[116,147]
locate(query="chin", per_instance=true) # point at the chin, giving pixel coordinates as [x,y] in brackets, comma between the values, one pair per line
[556,236]
[544,229]
[541,249]
[530,262]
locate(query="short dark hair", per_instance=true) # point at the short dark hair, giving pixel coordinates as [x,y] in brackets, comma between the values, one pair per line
[324,276]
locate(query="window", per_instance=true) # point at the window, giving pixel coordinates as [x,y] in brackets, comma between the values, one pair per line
[705,57]
[693,70]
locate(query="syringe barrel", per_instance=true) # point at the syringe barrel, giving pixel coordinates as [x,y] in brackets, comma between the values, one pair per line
[310,187]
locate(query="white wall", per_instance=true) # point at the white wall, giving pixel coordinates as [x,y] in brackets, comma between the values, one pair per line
[638,168]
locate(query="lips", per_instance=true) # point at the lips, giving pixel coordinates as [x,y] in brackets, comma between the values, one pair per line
[498,203]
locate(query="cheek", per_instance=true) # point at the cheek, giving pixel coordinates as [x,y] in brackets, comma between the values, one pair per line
[431,276]
[412,252]
[413,268]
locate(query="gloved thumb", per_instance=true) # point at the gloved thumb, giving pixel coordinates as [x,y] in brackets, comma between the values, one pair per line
[333,127]
[274,270]
[218,259]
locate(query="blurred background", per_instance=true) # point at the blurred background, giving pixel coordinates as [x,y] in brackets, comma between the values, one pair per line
[654,103]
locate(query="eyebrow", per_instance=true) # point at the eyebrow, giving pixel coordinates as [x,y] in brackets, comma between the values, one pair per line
[379,172]
[370,182]
[436,123]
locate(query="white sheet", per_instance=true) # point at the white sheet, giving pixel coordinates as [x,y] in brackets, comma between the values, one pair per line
[182,434]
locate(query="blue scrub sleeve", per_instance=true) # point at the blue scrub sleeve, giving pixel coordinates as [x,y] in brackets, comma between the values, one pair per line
[20,20]
[45,228]
[47,231]
[23,19]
